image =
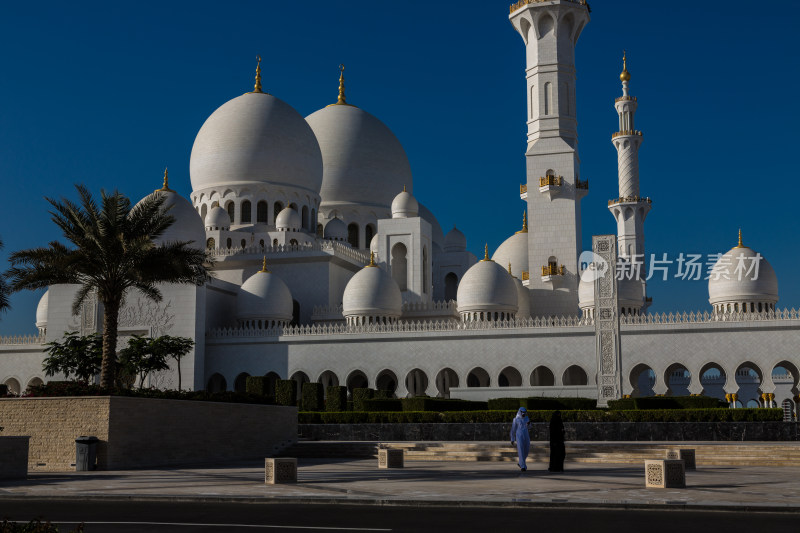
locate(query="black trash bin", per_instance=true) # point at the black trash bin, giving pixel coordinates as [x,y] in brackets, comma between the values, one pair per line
[85,453]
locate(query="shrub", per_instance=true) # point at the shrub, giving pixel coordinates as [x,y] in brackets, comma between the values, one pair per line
[679,402]
[313,397]
[286,392]
[625,404]
[539,403]
[424,403]
[383,395]
[336,398]
[359,395]
[3,390]
[258,385]
[382,405]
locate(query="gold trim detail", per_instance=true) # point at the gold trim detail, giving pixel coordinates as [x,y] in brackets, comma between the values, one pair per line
[740,245]
[485,253]
[165,187]
[257,87]
[524,223]
[264,265]
[371,260]
[624,75]
[341,100]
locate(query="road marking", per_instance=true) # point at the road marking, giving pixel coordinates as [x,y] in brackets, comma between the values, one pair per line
[194,524]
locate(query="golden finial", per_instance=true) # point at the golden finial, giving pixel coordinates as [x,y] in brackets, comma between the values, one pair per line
[341,100]
[486,253]
[524,223]
[257,88]
[740,245]
[404,188]
[625,75]
[509,268]
[371,259]
[264,265]
[165,187]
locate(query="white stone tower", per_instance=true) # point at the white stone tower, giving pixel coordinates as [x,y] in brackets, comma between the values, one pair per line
[629,209]
[554,189]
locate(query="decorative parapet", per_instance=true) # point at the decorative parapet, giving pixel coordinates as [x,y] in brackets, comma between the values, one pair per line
[526,275]
[625,99]
[417,310]
[330,247]
[584,185]
[522,3]
[322,313]
[401,327]
[709,318]
[523,188]
[630,199]
[551,181]
[22,340]
[626,132]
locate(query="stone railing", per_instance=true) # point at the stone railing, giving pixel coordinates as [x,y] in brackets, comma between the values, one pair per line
[522,3]
[625,99]
[435,307]
[331,247]
[708,318]
[553,270]
[551,181]
[21,339]
[626,132]
[582,184]
[523,189]
[630,199]
[401,327]
[526,275]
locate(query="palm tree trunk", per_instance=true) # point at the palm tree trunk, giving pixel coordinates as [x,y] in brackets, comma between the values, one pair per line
[109,365]
[179,374]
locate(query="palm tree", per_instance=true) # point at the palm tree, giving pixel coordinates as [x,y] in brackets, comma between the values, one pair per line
[4,290]
[113,252]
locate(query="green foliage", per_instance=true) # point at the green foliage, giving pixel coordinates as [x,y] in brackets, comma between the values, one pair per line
[34,526]
[76,355]
[383,395]
[543,403]
[74,388]
[425,403]
[336,399]
[359,395]
[140,359]
[505,416]
[175,348]
[257,385]
[286,392]
[623,404]
[672,402]
[313,397]
[112,251]
[382,405]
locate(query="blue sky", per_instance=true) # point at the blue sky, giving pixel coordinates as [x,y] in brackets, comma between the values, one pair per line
[107,94]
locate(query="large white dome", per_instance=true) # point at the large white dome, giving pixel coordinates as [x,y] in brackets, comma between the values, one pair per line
[188,225]
[523,300]
[455,241]
[256,138]
[264,297]
[487,287]
[743,285]
[371,293]
[363,162]
[514,250]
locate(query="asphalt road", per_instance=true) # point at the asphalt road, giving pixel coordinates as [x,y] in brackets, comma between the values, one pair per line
[169,517]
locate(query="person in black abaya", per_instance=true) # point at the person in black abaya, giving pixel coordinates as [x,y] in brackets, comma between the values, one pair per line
[557,452]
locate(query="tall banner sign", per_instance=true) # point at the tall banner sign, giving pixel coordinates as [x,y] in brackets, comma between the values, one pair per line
[606,320]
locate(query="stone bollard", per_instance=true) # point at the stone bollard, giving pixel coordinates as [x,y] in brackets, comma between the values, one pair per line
[686,455]
[665,474]
[280,470]
[390,458]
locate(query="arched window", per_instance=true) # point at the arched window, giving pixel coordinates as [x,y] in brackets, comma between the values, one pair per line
[450,286]
[293,242]
[217,383]
[211,244]
[369,233]
[261,243]
[425,269]
[352,235]
[313,222]
[262,212]
[295,313]
[548,97]
[276,208]
[305,217]
[204,212]
[400,266]
[244,243]
[240,383]
[230,207]
[319,231]
[229,243]
[247,211]
[274,243]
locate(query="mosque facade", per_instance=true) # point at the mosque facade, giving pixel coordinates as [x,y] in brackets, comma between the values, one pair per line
[326,267]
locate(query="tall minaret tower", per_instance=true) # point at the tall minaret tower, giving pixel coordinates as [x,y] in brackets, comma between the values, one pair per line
[630,209]
[553,187]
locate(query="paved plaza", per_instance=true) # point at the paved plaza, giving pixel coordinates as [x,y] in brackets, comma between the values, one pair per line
[428,483]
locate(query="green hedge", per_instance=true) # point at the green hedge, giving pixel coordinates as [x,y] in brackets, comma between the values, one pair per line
[383,395]
[423,403]
[540,403]
[75,388]
[313,397]
[286,392]
[667,402]
[257,385]
[336,398]
[382,405]
[359,395]
[465,417]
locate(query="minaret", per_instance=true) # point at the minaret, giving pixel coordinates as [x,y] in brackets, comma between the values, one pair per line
[553,187]
[629,209]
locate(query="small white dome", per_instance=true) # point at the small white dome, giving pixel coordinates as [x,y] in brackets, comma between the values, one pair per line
[523,300]
[336,230]
[218,218]
[405,205]
[487,287]
[744,284]
[630,292]
[514,250]
[256,138]
[372,293]
[288,220]
[373,244]
[41,310]
[363,162]
[188,225]
[264,297]
[455,241]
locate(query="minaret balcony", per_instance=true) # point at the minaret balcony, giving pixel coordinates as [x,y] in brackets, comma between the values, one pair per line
[581,188]
[553,274]
[523,191]
[630,200]
[624,133]
[526,278]
[625,99]
[550,185]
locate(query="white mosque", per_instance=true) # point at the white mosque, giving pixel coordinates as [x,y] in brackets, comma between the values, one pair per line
[326,267]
